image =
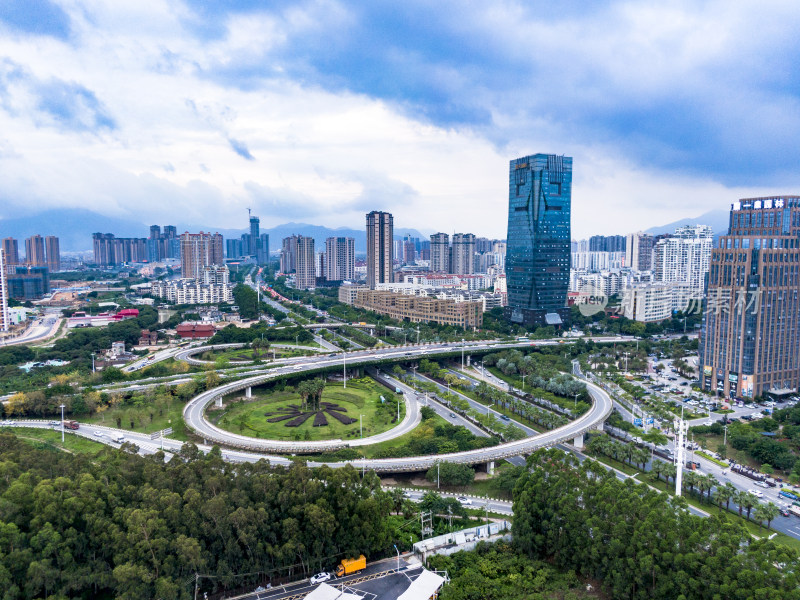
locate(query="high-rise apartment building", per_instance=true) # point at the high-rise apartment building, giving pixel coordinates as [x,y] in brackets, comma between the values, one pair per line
[52,253]
[607,243]
[684,257]
[200,250]
[11,251]
[289,254]
[340,259]
[34,251]
[440,253]
[163,245]
[751,321]
[639,251]
[111,250]
[262,249]
[380,234]
[305,277]
[254,235]
[537,259]
[4,320]
[462,255]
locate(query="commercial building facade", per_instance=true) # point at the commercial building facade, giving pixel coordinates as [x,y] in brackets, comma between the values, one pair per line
[419,309]
[380,234]
[289,254]
[538,242]
[751,320]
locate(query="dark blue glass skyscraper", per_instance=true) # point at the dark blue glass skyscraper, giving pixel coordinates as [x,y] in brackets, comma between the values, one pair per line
[538,251]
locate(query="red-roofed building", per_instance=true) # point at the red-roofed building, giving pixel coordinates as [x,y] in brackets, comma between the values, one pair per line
[195,330]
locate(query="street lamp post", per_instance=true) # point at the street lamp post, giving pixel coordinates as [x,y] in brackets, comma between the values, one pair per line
[575,405]
[93,362]
[62,423]
[462,354]
[344,368]
[523,383]
[361,425]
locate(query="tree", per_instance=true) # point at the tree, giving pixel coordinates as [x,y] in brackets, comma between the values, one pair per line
[766,512]
[451,474]
[748,500]
[17,404]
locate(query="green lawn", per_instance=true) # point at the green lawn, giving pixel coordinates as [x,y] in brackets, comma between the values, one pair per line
[361,397]
[51,439]
[170,416]
[246,354]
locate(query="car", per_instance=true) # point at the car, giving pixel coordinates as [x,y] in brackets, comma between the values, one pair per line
[464,500]
[55,423]
[756,493]
[452,415]
[320,577]
[98,433]
[762,484]
[783,512]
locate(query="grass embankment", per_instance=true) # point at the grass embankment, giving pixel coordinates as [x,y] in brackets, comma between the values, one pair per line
[362,397]
[50,439]
[147,418]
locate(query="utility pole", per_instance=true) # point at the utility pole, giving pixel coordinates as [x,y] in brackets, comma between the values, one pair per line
[62,423]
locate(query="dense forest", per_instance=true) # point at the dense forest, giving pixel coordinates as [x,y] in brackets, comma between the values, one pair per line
[642,544]
[125,526]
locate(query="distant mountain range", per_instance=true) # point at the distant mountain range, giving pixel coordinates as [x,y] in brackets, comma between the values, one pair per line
[718,219]
[74,228]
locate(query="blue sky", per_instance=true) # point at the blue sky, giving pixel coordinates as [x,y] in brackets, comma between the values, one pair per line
[320,111]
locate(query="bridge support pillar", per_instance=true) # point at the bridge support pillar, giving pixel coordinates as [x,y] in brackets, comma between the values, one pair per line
[218,402]
[248,393]
[599,426]
[578,441]
[490,467]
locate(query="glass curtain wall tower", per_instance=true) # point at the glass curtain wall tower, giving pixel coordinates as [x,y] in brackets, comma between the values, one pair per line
[539,232]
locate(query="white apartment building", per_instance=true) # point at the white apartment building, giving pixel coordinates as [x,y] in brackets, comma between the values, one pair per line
[5,320]
[650,302]
[684,257]
[193,291]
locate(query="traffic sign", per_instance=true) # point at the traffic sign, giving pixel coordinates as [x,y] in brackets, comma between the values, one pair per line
[166,431]
[155,435]
[637,422]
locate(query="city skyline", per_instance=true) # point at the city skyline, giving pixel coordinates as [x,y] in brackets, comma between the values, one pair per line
[220,118]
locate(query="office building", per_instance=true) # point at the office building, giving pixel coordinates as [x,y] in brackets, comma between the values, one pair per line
[5,321]
[462,256]
[340,259]
[440,253]
[751,320]
[306,267]
[233,248]
[538,242]
[289,254]
[35,254]
[380,232]
[110,250]
[200,250]
[409,255]
[639,251]
[11,252]
[52,253]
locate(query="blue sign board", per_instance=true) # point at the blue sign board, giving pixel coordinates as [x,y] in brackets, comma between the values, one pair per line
[637,422]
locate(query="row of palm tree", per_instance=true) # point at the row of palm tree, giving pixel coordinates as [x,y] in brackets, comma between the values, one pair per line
[310,391]
[707,486]
[521,408]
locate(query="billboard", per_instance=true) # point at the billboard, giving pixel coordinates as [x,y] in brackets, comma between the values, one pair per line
[747,385]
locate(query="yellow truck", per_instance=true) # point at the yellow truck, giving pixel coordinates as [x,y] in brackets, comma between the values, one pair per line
[351,565]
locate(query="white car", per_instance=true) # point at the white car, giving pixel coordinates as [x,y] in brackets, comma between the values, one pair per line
[320,577]
[464,500]
[756,493]
[98,433]
[762,484]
